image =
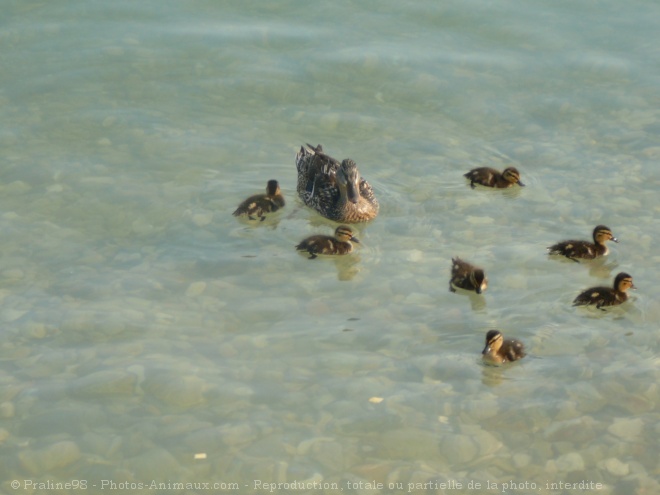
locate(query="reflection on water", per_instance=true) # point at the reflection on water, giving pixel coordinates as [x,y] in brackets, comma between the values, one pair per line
[150,335]
[477,301]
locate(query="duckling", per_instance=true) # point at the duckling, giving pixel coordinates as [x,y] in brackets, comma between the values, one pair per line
[585,250]
[490,177]
[324,244]
[467,276]
[499,351]
[607,296]
[258,205]
[335,190]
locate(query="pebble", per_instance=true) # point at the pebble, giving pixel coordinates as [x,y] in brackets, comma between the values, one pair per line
[115,51]
[7,410]
[588,398]
[459,448]
[415,256]
[196,289]
[105,444]
[514,281]
[181,391]
[479,409]
[471,200]
[164,318]
[480,220]
[140,226]
[570,462]
[214,438]
[236,434]
[55,456]
[580,429]
[329,121]
[330,455]
[105,382]
[99,181]
[36,330]
[410,443]
[13,274]
[202,219]
[627,428]
[488,444]
[55,188]
[155,464]
[614,466]
[521,461]
[15,187]
[419,299]
[9,315]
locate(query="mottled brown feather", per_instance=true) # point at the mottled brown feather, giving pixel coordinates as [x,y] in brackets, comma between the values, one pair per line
[606,296]
[467,276]
[325,185]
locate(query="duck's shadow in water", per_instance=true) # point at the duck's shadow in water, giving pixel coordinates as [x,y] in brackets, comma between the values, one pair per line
[492,375]
[599,268]
[269,220]
[346,266]
[602,268]
[477,301]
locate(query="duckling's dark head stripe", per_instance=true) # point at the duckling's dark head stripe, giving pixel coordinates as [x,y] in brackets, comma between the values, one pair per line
[511,174]
[493,335]
[272,187]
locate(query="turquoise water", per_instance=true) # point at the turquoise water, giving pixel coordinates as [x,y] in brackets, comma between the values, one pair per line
[148,336]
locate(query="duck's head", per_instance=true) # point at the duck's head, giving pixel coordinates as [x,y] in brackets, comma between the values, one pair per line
[602,234]
[623,282]
[348,178]
[479,280]
[512,175]
[273,188]
[494,341]
[344,233]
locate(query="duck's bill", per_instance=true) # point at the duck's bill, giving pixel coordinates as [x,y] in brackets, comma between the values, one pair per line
[352,193]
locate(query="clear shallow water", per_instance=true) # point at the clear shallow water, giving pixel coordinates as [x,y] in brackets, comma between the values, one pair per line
[143,324]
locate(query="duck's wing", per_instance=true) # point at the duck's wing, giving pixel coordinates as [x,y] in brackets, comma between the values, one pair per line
[595,295]
[367,192]
[251,206]
[311,160]
[310,163]
[325,189]
[573,249]
[513,350]
[485,176]
[460,267]
[460,274]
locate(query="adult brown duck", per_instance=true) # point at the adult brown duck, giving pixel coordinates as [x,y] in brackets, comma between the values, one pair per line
[335,190]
